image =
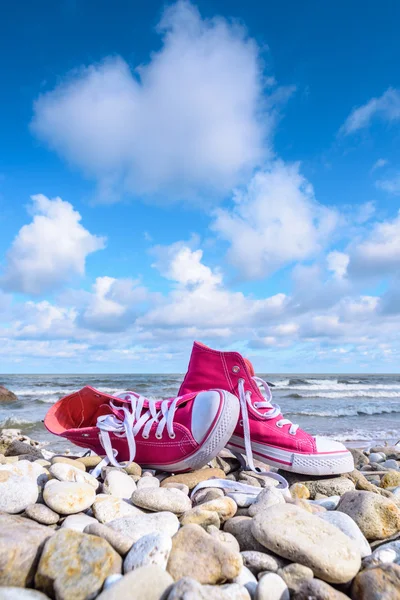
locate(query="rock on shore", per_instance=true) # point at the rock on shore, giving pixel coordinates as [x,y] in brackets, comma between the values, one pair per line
[67,535]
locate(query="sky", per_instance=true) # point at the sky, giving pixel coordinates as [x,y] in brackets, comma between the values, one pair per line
[221,171]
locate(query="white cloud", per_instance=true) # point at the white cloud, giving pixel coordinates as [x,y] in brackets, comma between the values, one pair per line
[387,107]
[113,305]
[274,221]
[193,119]
[199,298]
[379,253]
[392,186]
[50,250]
[381,162]
[337,263]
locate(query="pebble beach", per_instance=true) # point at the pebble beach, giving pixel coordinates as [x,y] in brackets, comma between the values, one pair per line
[133,534]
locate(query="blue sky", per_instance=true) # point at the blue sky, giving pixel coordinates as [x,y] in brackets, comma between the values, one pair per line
[222,171]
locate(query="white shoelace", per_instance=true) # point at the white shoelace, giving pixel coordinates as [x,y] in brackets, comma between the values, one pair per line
[131,425]
[236,487]
[273,412]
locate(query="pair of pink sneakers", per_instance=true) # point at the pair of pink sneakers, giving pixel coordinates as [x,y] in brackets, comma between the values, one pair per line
[219,405]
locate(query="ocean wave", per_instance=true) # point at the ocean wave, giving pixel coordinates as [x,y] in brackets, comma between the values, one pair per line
[346,412]
[18,423]
[361,435]
[340,395]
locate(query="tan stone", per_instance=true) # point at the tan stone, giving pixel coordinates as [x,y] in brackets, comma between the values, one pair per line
[378,583]
[68,461]
[225,507]
[390,479]
[74,565]
[298,490]
[195,477]
[90,462]
[21,542]
[316,589]
[201,517]
[197,554]
[145,583]
[376,516]
[133,469]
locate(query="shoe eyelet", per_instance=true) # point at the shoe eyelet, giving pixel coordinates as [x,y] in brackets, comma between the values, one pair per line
[235,369]
[241,422]
[158,436]
[172,436]
[145,437]
[292,433]
[85,434]
[280,426]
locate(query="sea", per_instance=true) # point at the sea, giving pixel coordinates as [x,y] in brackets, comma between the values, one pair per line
[358,410]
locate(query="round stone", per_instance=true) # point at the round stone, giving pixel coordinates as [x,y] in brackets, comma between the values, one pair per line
[148,482]
[146,583]
[17,593]
[304,538]
[349,528]
[120,542]
[318,590]
[294,575]
[66,472]
[68,498]
[42,514]
[198,555]
[240,528]
[195,477]
[16,492]
[378,583]
[267,498]
[272,587]
[77,464]
[162,499]
[107,508]
[119,484]
[75,565]
[262,561]
[133,469]
[390,479]
[201,517]
[136,527]
[78,522]
[225,507]
[151,549]
[298,490]
[377,517]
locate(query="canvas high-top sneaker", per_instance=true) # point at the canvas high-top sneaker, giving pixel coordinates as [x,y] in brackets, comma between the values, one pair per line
[261,429]
[173,435]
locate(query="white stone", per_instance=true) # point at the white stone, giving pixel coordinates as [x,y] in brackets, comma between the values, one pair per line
[349,528]
[247,580]
[119,484]
[110,580]
[78,522]
[272,587]
[267,498]
[151,549]
[17,492]
[66,472]
[68,498]
[328,503]
[162,499]
[107,508]
[148,482]
[302,537]
[139,525]
[377,457]
[29,469]
[387,553]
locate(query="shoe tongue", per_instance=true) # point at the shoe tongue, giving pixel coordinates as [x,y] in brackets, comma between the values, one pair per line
[249,366]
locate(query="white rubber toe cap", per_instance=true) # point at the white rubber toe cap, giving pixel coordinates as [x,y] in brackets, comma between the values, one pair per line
[327,445]
[205,409]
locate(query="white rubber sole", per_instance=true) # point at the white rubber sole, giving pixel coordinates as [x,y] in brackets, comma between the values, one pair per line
[216,440]
[323,463]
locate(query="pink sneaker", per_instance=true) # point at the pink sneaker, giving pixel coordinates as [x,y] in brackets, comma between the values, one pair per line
[262,429]
[173,435]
